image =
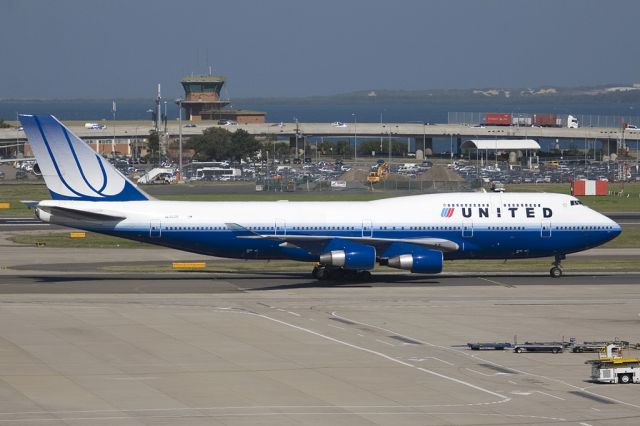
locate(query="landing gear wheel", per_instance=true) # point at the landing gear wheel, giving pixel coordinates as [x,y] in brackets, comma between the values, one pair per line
[320,273]
[364,275]
[556,270]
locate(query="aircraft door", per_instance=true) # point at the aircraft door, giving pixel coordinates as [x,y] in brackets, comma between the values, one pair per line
[467,229]
[155,228]
[545,230]
[280,227]
[367,228]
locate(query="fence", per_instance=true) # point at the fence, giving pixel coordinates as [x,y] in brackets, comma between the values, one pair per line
[585,120]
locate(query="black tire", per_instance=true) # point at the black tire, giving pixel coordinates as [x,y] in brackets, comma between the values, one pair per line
[364,275]
[321,274]
[555,272]
[518,350]
[555,350]
[625,379]
[314,273]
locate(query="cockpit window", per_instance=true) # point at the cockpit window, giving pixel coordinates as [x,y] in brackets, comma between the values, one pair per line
[576,202]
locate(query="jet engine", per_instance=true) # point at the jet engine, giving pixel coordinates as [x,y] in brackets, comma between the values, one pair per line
[414,258]
[348,255]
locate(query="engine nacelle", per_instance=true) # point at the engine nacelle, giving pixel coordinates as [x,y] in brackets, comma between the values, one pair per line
[349,255]
[414,258]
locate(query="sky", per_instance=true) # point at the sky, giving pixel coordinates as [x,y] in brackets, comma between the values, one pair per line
[297,48]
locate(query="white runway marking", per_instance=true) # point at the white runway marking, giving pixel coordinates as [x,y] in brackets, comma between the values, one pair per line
[496,282]
[476,357]
[552,396]
[499,373]
[386,343]
[502,398]
[430,357]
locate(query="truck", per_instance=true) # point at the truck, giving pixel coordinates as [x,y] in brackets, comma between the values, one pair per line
[612,367]
[94,126]
[552,120]
[525,120]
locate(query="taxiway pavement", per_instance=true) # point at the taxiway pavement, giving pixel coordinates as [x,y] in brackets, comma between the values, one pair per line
[80,346]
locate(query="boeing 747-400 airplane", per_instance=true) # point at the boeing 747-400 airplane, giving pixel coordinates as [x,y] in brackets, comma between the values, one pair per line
[344,239]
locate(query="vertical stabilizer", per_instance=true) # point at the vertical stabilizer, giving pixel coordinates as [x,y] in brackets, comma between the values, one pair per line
[71,169]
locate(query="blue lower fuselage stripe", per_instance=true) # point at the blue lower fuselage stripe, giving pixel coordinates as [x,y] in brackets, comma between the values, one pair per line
[484,244]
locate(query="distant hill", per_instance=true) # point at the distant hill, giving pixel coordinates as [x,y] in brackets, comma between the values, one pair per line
[611,93]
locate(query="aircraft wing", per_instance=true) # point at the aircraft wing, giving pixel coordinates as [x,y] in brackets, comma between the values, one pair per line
[312,242]
[431,243]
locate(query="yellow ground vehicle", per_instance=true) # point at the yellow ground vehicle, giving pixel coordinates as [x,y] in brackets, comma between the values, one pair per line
[612,367]
[378,173]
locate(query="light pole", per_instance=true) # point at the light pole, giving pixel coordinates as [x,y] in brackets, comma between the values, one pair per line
[297,131]
[424,141]
[381,128]
[165,118]
[179,102]
[389,133]
[113,144]
[355,138]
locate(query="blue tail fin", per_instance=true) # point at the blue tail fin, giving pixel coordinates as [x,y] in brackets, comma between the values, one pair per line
[71,169]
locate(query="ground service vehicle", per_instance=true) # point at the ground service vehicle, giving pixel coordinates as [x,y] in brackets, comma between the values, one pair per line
[612,367]
[378,173]
[553,347]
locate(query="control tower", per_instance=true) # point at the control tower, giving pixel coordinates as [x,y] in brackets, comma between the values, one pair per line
[202,101]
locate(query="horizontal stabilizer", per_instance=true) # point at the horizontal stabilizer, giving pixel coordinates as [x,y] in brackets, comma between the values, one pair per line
[31,204]
[85,215]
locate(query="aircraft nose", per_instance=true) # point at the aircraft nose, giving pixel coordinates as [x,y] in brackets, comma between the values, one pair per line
[617,229]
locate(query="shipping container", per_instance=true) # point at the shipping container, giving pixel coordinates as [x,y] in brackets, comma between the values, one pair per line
[545,120]
[521,121]
[497,119]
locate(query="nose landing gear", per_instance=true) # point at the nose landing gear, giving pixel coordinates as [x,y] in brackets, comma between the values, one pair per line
[556,270]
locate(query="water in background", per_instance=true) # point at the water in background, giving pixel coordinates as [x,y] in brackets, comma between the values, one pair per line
[305,111]
[288,111]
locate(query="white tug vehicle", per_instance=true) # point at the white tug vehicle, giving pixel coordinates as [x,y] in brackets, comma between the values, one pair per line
[612,367]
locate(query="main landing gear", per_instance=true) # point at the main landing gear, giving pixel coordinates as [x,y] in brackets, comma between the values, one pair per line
[556,270]
[335,273]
